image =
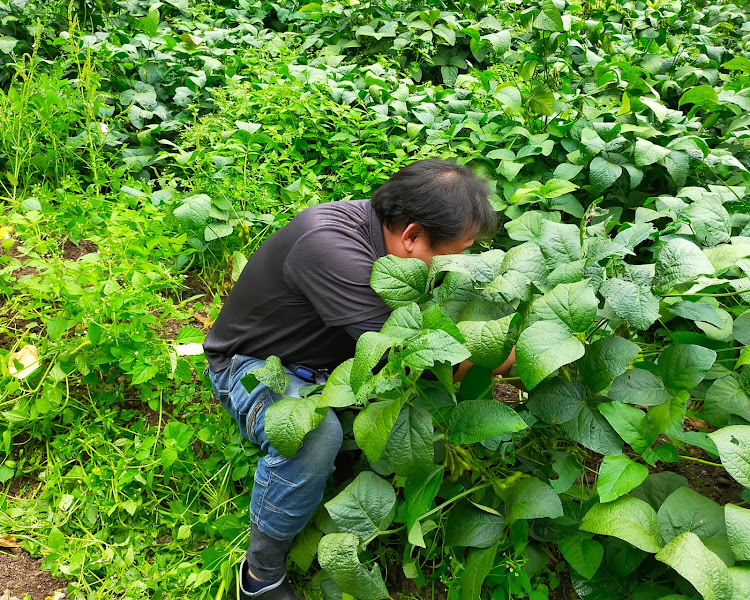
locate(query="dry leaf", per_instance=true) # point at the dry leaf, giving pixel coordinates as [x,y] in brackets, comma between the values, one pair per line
[28,356]
[8,541]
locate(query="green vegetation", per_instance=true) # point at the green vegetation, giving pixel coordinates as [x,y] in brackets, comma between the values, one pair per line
[147,148]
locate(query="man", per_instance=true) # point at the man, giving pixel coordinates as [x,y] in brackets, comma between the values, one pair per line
[305,297]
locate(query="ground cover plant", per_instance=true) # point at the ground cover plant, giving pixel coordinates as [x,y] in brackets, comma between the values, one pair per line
[147,148]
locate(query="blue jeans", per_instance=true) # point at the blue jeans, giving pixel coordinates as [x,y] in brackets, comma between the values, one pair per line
[286,491]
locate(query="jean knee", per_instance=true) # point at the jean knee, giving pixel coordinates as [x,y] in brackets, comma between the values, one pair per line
[322,444]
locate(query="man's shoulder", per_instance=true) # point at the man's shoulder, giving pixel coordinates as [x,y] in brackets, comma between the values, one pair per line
[348,214]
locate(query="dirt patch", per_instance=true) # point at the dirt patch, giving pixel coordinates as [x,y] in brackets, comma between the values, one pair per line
[20,575]
[73,251]
[505,392]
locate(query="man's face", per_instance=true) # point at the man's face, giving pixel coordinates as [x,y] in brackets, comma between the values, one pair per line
[427,251]
[413,242]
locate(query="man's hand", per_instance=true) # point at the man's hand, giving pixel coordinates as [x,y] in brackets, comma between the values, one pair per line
[501,371]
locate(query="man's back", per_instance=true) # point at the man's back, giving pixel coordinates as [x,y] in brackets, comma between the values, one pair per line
[301,287]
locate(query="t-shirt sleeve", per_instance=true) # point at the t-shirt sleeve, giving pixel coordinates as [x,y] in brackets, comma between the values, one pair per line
[332,269]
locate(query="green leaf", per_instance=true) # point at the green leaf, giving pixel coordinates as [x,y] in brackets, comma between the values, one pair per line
[500,42]
[449,74]
[289,420]
[568,469]
[688,511]
[658,487]
[638,386]
[680,261]
[476,420]
[432,347]
[741,328]
[606,359]
[684,366]
[725,397]
[409,448]
[489,342]
[697,311]
[544,347]
[741,580]
[404,322]
[338,391]
[603,174]
[628,519]
[371,346]
[531,499]
[337,554]
[523,267]
[399,281]
[738,530]
[271,373]
[572,304]
[479,562]
[549,19]
[468,525]
[700,94]
[364,508]
[583,554]
[556,400]
[687,555]
[560,243]
[677,164]
[194,210]
[710,220]
[631,424]
[305,547]
[738,63]
[733,444]
[541,100]
[419,494]
[6,473]
[373,425]
[646,153]
[481,268]
[592,430]
[633,303]
[617,476]
[508,95]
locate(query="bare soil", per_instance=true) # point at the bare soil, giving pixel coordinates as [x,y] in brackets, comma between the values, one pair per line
[73,251]
[20,575]
[505,392]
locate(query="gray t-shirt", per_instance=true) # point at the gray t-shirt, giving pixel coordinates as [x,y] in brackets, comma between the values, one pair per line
[302,288]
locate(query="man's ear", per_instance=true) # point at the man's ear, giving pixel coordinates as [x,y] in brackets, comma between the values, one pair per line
[411,236]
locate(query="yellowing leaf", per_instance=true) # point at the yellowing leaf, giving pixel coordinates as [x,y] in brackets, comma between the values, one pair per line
[28,357]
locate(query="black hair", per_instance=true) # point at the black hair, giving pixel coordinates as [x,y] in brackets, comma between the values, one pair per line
[446,199]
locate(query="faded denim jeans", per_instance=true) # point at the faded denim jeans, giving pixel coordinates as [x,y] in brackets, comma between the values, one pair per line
[286,491]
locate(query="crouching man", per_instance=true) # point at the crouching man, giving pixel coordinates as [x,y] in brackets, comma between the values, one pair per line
[305,297]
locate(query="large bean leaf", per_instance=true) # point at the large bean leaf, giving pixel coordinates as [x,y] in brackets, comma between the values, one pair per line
[289,420]
[738,530]
[373,425]
[572,304]
[337,554]
[734,449]
[476,420]
[544,347]
[627,518]
[364,507]
[618,475]
[399,281]
[606,359]
[687,555]
[680,261]
[688,511]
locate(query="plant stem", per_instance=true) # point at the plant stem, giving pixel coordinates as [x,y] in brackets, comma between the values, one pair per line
[700,460]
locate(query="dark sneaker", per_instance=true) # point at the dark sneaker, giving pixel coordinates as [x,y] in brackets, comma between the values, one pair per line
[279,590]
